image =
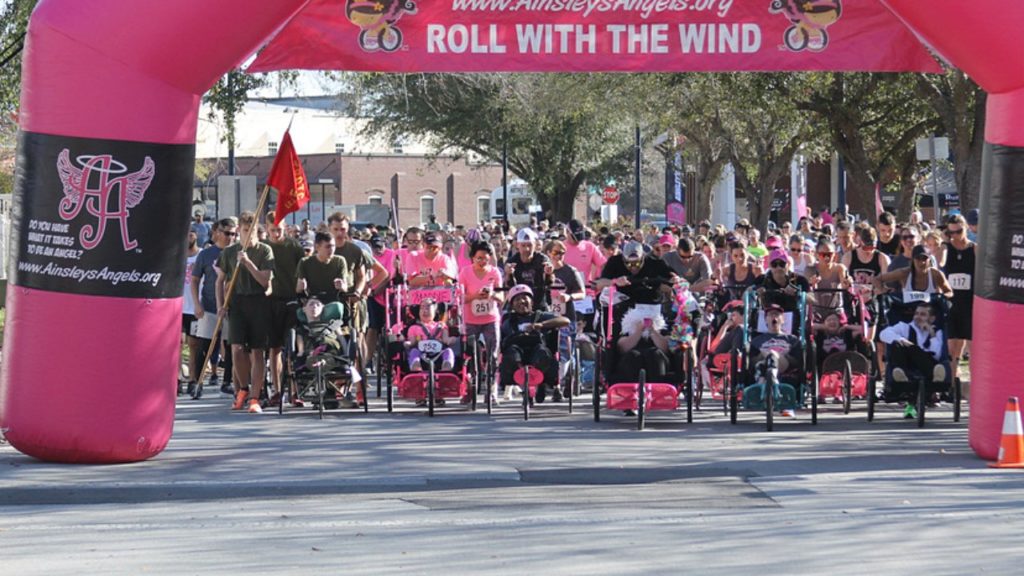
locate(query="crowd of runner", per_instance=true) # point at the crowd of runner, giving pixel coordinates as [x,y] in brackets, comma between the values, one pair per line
[280,265]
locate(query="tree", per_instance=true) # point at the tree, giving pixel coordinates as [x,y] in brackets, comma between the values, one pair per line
[14,16]
[561,130]
[960,105]
[228,98]
[765,130]
[872,120]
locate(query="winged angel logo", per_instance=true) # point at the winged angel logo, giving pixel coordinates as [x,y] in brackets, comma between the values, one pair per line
[111,182]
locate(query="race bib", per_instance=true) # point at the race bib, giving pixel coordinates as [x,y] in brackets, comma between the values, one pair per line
[648,310]
[483,307]
[915,296]
[585,306]
[557,303]
[960,281]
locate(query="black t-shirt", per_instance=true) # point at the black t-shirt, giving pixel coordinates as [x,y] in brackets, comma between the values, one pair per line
[638,291]
[569,281]
[787,301]
[891,247]
[513,329]
[532,274]
[785,344]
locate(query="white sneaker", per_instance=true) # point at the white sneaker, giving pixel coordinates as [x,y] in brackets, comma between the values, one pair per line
[254,407]
[939,373]
[447,365]
[788,413]
[898,375]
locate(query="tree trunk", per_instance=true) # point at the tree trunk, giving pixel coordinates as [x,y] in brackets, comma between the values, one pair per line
[860,194]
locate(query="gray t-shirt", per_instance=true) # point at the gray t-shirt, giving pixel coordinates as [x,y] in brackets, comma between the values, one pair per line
[693,270]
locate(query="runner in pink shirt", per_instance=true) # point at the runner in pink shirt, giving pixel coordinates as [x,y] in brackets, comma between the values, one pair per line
[581,254]
[412,245]
[432,267]
[482,301]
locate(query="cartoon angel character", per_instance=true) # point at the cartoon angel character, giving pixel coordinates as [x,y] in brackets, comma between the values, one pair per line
[376,20]
[810,19]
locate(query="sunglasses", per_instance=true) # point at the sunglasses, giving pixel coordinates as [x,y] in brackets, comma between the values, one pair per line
[921,257]
[797,250]
[951,232]
[825,254]
[558,252]
[230,234]
[908,237]
[779,264]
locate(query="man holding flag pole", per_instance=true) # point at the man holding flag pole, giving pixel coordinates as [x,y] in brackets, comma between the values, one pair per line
[250,265]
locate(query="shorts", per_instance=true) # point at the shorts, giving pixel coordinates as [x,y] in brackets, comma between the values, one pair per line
[203,328]
[282,319]
[186,324]
[376,313]
[359,316]
[961,316]
[250,322]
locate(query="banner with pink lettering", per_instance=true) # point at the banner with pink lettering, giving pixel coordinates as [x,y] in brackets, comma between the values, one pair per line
[596,36]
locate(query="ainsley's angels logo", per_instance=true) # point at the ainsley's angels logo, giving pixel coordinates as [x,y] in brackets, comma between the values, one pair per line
[376,20]
[810,18]
[110,179]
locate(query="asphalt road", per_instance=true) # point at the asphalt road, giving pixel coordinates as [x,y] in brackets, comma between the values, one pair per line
[467,493]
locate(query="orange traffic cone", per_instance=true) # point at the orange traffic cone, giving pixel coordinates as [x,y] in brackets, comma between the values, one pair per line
[1011,445]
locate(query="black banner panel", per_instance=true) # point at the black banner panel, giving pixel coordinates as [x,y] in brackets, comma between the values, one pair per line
[999,274]
[101,217]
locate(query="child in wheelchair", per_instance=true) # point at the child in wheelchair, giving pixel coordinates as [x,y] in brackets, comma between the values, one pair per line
[524,342]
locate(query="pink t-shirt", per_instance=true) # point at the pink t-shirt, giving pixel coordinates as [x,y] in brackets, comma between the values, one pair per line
[434,331]
[441,264]
[387,260]
[480,311]
[461,258]
[586,258]
[405,260]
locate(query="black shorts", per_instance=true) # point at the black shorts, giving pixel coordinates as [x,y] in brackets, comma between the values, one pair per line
[376,313]
[186,323]
[282,319]
[961,316]
[249,321]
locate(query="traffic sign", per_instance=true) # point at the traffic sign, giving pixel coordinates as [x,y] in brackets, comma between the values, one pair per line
[611,195]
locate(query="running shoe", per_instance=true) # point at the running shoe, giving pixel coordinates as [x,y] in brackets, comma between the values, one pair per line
[240,398]
[254,407]
[898,375]
[788,413]
[227,388]
[910,413]
[939,373]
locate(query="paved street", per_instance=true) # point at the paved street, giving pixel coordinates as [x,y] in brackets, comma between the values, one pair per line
[467,493]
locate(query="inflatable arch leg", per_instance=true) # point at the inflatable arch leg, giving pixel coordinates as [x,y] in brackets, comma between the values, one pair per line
[109,107]
[986,46]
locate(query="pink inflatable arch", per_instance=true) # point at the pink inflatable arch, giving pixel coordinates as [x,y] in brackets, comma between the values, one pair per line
[982,38]
[109,109]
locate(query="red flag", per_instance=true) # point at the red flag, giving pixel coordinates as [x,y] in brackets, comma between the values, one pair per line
[289,178]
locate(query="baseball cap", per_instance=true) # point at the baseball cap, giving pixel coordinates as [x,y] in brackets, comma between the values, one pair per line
[667,239]
[732,305]
[432,238]
[774,308]
[377,241]
[777,254]
[526,235]
[633,251]
[576,229]
[972,217]
[918,251]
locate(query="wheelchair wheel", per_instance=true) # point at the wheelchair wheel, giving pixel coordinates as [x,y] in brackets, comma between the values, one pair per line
[526,392]
[872,388]
[474,385]
[430,391]
[734,384]
[688,372]
[320,392]
[816,379]
[769,403]
[595,389]
[922,398]
[957,397]
[390,393]
[847,387]
[641,400]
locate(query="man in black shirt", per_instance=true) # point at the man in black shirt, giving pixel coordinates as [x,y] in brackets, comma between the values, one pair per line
[643,279]
[530,268]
